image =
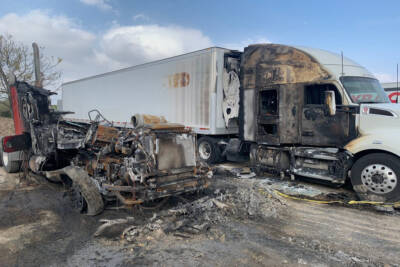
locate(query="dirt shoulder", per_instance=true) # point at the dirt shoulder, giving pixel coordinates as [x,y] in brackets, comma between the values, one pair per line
[235,222]
[6,126]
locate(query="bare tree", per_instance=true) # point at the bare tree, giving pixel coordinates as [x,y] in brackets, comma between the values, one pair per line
[17,58]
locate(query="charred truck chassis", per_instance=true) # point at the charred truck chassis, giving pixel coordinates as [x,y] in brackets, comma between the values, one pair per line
[284,117]
[328,164]
[103,163]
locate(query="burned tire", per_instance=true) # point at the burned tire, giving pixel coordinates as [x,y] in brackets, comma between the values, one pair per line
[85,195]
[78,201]
[208,150]
[376,177]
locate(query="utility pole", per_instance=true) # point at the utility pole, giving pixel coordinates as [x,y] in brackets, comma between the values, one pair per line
[397,84]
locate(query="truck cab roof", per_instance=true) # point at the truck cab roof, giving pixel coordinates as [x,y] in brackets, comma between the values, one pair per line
[332,62]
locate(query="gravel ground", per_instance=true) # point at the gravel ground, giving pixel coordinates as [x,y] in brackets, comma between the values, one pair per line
[236,222]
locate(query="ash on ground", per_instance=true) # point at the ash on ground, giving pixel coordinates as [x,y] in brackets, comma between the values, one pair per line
[188,215]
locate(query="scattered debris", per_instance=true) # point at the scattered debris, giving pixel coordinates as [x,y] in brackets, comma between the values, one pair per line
[108,223]
[291,188]
[196,215]
[233,169]
[219,204]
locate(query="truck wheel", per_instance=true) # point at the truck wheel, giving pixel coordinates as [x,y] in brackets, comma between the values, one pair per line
[85,195]
[86,199]
[375,177]
[208,150]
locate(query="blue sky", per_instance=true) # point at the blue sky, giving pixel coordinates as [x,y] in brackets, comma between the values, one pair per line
[94,36]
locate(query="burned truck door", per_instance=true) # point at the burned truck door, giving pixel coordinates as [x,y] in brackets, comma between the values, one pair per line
[318,127]
[268,116]
[278,118]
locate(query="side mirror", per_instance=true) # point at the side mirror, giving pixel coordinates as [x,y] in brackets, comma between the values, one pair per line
[330,102]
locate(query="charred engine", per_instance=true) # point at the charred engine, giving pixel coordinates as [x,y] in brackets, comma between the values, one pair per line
[141,164]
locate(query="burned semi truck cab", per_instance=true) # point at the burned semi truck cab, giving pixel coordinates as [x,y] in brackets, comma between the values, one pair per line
[42,137]
[97,162]
[313,113]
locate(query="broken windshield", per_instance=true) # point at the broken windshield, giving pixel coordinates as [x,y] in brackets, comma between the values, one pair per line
[364,90]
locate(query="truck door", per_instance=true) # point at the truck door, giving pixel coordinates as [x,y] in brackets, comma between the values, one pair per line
[318,128]
[268,116]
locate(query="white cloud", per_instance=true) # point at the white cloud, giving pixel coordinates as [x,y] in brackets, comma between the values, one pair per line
[244,43]
[137,44]
[141,17]
[85,53]
[384,77]
[102,4]
[60,36]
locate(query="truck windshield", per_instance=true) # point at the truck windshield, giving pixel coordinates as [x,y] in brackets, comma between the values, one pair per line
[364,90]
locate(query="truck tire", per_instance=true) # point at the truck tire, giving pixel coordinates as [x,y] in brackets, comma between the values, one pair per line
[85,195]
[208,150]
[10,166]
[376,177]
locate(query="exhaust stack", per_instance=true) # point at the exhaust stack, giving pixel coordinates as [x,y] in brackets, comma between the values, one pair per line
[36,64]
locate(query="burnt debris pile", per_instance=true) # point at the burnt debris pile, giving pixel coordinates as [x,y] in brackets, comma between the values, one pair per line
[188,215]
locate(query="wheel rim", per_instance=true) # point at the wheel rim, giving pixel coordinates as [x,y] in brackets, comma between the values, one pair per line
[205,150]
[379,178]
[5,159]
